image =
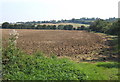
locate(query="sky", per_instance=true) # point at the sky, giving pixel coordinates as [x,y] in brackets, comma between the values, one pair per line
[40,10]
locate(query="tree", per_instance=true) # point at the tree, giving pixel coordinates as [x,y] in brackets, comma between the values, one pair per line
[54,27]
[82,27]
[98,25]
[61,27]
[44,26]
[68,27]
[39,26]
[11,26]
[48,27]
[5,25]
[115,28]
[78,28]
[32,26]
[74,28]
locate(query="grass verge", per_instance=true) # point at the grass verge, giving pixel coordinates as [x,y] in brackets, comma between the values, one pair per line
[39,67]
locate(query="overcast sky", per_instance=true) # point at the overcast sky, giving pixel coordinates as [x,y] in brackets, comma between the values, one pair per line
[29,10]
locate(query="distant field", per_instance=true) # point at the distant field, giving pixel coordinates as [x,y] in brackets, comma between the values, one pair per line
[79,45]
[74,24]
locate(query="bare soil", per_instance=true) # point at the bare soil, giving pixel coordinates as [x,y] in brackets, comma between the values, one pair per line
[77,45]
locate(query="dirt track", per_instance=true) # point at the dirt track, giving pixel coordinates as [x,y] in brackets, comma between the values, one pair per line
[79,45]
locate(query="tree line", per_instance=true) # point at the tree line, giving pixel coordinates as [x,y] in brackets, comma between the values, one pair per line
[106,27]
[6,25]
[73,20]
[99,25]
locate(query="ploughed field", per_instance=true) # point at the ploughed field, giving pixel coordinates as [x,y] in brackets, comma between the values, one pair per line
[77,45]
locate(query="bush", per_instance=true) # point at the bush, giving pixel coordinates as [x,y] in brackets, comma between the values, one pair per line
[115,28]
[39,67]
[68,27]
